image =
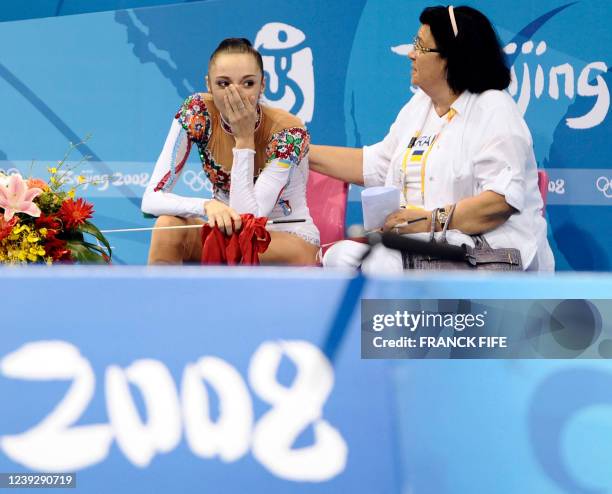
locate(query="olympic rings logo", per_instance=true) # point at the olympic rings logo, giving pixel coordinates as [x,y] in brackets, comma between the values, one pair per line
[604,185]
[196,181]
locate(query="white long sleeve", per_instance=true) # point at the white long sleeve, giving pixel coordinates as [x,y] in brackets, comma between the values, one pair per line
[260,198]
[158,198]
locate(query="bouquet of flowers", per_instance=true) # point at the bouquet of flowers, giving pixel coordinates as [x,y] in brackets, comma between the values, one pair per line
[41,222]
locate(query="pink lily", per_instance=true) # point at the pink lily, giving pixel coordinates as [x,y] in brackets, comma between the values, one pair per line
[15,197]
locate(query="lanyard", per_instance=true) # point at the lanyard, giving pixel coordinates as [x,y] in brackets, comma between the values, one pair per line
[408,153]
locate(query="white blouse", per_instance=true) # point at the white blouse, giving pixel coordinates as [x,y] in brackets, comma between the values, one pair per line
[485,146]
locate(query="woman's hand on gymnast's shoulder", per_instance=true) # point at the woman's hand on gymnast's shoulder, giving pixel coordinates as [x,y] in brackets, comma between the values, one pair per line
[221,215]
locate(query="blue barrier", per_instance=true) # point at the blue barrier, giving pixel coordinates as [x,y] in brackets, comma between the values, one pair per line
[153,380]
[189,380]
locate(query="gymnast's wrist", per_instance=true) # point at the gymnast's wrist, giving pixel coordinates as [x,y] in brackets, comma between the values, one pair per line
[245,143]
[206,203]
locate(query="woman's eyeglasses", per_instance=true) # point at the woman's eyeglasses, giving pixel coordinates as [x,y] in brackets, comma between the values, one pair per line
[416,43]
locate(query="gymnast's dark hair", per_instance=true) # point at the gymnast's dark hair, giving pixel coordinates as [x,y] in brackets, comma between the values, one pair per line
[475,59]
[236,45]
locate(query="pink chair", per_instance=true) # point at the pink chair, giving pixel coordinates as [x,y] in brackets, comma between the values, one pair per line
[326,199]
[543,186]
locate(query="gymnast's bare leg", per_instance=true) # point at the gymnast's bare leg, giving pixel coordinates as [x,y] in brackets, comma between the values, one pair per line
[176,246]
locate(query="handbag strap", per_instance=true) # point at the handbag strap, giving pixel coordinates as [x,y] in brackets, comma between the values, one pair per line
[480,242]
[432,229]
[445,227]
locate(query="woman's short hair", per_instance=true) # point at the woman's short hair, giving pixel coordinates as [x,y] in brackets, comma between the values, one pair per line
[475,59]
[236,45]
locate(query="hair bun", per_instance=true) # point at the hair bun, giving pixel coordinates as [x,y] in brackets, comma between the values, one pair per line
[234,43]
[237,45]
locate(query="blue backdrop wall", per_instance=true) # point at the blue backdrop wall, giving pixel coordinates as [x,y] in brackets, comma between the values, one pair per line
[121,74]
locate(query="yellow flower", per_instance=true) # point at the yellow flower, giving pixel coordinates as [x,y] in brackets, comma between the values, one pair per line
[21,255]
[32,257]
[81,179]
[33,238]
[52,170]
[53,180]
[71,193]
[43,232]
[38,251]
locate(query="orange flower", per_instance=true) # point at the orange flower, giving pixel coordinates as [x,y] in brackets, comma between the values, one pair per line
[37,183]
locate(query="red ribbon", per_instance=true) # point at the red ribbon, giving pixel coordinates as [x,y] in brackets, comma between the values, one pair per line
[241,247]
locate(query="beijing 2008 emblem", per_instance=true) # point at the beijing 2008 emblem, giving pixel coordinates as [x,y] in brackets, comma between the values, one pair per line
[288,68]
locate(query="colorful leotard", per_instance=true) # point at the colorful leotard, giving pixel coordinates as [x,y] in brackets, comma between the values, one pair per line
[270,181]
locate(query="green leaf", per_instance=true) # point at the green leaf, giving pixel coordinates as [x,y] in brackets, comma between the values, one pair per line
[90,228]
[290,139]
[82,254]
[96,248]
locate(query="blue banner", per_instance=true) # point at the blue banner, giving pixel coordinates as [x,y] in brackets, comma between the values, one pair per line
[189,381]
[184,380]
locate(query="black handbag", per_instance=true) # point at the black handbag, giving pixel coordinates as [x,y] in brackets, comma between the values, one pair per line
[482,256]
